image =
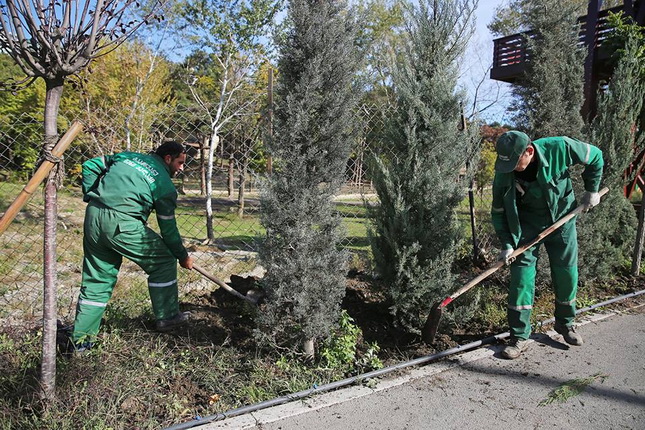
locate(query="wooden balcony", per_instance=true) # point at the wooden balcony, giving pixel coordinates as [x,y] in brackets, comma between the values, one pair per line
[510,53]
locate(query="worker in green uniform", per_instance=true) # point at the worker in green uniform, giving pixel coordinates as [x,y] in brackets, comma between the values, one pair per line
[531,191]
[122,190]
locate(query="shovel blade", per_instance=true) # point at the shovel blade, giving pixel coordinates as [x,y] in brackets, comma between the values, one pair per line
[429,330]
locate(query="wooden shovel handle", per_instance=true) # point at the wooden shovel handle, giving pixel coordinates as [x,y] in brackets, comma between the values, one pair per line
[222,284]
[40,175]
[519,251]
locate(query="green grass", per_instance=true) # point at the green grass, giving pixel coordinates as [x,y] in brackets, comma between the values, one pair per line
[137,378]
[233,232]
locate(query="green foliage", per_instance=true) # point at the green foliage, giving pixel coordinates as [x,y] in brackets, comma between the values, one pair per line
[415,235]
[230,46]
[606,237]
[549,100]
[20,143]
[570,389]
[378,37]
[615,128]
[627,43]
[607,233]
[624,32]
[305,278]
[340,350]
[132,83]
[224,27]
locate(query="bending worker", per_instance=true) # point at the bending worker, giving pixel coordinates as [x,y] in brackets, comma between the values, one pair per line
[121,191]
[531,191]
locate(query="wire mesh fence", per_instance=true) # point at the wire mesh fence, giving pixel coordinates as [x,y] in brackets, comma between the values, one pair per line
[239,162]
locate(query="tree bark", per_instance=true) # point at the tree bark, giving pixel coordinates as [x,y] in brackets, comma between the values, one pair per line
[309,350]
[240,194]
[209,186]
[202,166]
[48,365]
[231,170]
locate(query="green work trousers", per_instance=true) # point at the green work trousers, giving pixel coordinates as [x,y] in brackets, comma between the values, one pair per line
[108,237]
[562,248]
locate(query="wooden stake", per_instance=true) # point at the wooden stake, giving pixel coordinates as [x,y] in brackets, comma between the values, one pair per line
[40,175]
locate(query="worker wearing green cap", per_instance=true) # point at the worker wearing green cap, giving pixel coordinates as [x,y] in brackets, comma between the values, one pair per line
[532,190]
[122,190]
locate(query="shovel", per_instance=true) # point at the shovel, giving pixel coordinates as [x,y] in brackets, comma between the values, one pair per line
[224,285]
[432,323]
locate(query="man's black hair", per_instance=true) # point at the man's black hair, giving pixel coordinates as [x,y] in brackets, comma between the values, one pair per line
[172,148]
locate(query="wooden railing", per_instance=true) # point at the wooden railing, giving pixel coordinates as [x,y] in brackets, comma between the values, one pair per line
[510,53]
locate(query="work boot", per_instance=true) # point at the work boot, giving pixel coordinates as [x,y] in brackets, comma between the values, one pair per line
[83,348]
[169,324]
[515,348]
[569,334]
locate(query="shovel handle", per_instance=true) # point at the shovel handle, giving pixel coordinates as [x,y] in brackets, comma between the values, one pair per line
[222,284]
[519,251]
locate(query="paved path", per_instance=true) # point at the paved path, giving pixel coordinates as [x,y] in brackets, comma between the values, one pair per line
[480,390]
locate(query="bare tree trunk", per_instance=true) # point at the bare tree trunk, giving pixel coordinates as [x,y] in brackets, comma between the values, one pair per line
[360,171]
[214,140]
[48,365]
[221,157]
[240,195]
[231,171]
[357,171]
[202,166]
[182,185]
[308,347]
[473,220]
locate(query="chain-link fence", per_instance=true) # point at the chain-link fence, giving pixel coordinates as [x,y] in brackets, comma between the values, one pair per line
[239,162]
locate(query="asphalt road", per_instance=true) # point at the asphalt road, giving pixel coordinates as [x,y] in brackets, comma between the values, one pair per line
[483,391]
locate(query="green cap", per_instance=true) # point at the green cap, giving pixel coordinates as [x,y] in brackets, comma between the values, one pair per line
[510,147]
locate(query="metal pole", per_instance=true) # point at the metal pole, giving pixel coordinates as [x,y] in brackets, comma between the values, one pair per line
[473,226]
[640,238]
[270,118]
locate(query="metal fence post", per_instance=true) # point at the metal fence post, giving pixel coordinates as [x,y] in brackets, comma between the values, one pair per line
[640,237]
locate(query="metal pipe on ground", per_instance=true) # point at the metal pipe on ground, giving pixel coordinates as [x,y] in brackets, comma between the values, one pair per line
[365,376]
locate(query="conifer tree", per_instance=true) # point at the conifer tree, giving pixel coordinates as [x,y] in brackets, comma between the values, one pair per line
[549,99]
[415,234]
[607,233]
[305,277]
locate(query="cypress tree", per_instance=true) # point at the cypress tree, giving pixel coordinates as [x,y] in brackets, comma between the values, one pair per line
[607,233]
[414,235]
[549,99]
[305,278]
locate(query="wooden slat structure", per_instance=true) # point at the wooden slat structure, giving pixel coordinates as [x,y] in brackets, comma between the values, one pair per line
[635,174]
[510,54]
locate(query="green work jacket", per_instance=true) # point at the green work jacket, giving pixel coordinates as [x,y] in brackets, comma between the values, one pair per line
[555,155]
[134,184]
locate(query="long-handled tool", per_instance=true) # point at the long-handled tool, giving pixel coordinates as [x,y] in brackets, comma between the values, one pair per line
[224,285]
[39,176]
[432,323]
